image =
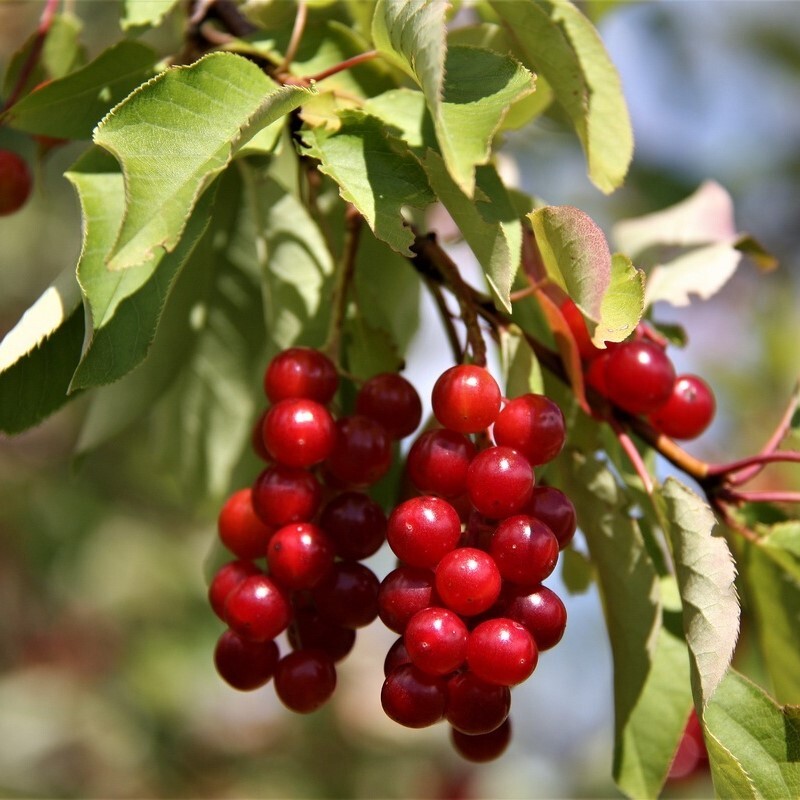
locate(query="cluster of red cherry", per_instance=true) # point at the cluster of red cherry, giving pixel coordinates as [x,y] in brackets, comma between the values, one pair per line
[638,376]
[308,515]
[474,547]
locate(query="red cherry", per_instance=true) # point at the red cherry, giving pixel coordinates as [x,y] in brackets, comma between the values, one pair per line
[412,698]
[284,494]
[524,549]
[555,509]
[438,460]
[533,425]
[240,529]
[475,706]
[243,664]
[299,432]
[499,481]
[305,680]
[15,182]
[689,409]
[225,580]
[436,640]
[355,523]
[484,746]
[299,555]
[309,631]
[392,401]
[301,372]
[639,376]
[257,609]
[501,651]
[467,581]
[362,453]
[540,610]
[348,595]
[466,398]
[421,530]
[402,593]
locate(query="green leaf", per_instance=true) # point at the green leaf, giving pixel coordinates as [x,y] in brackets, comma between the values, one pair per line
[71,107]
[522,371]
[555,40]
[492,228]
[694,246]
[375,172]
[468,90]
[706,572]
[575,254]
[631,594]
[183,128]
[406,112]
[39,354]
[623,302]
[728,775]
[370,350]
[277,237]
[577,571]
[123,336]
[763,737]
[150,13]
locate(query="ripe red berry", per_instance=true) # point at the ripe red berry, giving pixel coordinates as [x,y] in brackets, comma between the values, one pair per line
[436,640]
[499,481]
[467,581]
[301,372]
[540,610]
[555,509]
[639,376]
[466,398]
[595,374]
[299,432]
[501,651]
[15,182]
[299,555]
[355,523]
[689,409]
[475,706]
[533,425]
[484,746]
[392,401]
[284,494]
[396,656]
[240,529]
[524,549]
[421,530]
[577,325]
[438,460]
[362,452]
[305,680]
[412,698]
[257,609]
[402,593]
[243,664]
[348,595]
[309,631]
[225,580]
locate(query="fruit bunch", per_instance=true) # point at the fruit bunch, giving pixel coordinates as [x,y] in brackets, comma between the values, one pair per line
[309,522]
[474,547]
[638,376]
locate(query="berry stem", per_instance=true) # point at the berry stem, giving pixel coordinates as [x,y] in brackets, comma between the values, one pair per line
[344,276]
[45,22]
[765,496]
[427,249]
[447,319]
[759,461]
[297,34]
[348,63]
[633,454]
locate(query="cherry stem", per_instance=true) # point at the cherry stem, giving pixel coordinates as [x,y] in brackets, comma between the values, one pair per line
[427,249]
[353,222]
[348,63]
[633,454]
[297,35]
[759,461]
[765,496]
[447,319]
[45,22]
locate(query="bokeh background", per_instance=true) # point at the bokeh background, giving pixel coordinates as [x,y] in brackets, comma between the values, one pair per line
[107,687]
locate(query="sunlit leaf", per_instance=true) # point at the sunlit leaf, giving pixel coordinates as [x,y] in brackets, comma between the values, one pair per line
[143,13]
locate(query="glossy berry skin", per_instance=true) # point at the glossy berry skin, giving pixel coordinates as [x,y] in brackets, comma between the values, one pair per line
[436,640]
[466,398]
[540,610]
[467,581]
[475,706]
[15,182]
[392,401]
[577,325]
[689,409]
[258,609]
[533,425]
[639,376]
[362,453]
[499,482]
[299,432]
[240,529]
[355,523]
[305,680]
[483,747]
[501,651]
[348,595]
[438,460]
[402,593]
[595,375]
[309,631]
[225,580]
[299,555]
[301,372]
[242,664]
[421,530]
[524,549]
[412,698]
[284,494]
[555,509]
[396,656]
